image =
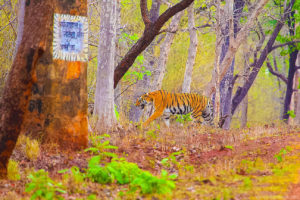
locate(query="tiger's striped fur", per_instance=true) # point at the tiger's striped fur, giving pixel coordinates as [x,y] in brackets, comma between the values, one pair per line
[167,104]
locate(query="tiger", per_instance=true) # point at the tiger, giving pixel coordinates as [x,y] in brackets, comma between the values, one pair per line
[167,104]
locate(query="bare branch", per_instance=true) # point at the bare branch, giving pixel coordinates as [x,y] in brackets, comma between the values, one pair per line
[284,44]
[125,90]
[150,32]
[145,13]
[8,24]
[234,79]
[276,73]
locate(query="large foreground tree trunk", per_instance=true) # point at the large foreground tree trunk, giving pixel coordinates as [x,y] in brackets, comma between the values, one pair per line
[18,86]
[104,95]
[45,95]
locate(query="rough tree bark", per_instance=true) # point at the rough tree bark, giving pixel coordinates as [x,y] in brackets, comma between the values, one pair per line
[242,91]
[37,91]
[186,86]
[18,86]
[152,29]
[104,94]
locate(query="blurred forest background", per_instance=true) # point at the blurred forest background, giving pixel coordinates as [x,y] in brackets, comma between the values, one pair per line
[265,98]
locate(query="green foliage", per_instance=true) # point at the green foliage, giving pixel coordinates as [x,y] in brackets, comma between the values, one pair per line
[149,184]
[229,147]
[75,174]
[247,182]
[171,159]
[117,113]
[137,71]
[182,119]
[291,113]
[100,145]
[279,156]
[123,172]
[43,187]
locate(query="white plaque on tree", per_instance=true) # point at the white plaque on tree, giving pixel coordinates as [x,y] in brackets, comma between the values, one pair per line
[70,38]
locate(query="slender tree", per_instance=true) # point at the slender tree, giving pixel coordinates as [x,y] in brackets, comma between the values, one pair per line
[292,68]
[159,73]
[186,86]
[104,95]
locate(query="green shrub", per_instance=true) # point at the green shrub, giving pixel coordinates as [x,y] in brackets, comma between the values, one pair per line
[123,172]
[43,187]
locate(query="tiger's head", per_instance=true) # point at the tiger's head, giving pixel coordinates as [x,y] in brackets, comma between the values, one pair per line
[143,100]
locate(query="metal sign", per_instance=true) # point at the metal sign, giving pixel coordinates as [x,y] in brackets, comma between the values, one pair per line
[70,38]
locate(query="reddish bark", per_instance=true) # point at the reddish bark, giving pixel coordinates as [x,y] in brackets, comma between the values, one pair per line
[33,69]
[18,86]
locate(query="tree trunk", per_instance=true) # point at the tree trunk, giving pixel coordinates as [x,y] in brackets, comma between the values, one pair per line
[290,84]
[159,74]
[292,70]
[34,52]
[41,93]
[297,94]
[226,87]
[244,103]
[104,95]
[186,86]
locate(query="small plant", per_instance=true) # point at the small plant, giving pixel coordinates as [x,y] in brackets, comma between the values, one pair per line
[75,174]
[123,172]
[117,113]
[32,149]
[148,184]
[100,145]
[229,147]
[291,113]
[119,169]
[282,152]
[43,187]
[13,172]
[247,182]
[171,159]
[182,119]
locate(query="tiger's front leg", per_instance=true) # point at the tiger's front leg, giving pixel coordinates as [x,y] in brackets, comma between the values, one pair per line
[155,115]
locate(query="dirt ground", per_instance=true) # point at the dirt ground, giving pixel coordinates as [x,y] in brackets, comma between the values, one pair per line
[208,167]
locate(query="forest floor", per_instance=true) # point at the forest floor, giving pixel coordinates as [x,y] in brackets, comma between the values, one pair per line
[252,163]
